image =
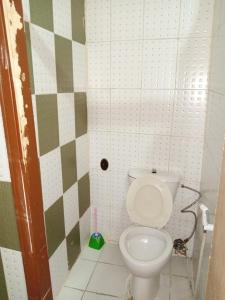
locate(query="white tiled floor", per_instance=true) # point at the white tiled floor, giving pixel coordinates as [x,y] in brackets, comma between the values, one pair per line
[102,275]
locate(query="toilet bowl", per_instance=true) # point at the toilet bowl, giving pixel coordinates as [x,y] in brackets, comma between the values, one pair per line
[145,246]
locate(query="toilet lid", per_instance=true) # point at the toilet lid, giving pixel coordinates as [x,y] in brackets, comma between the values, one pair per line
[149,202]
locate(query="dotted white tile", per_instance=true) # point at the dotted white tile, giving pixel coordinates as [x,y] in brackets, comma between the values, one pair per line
[186,157]
[99,65]
[196,18]
[97,20]
[82,155]
[100,146]
[119,188]
[26,10]
[159,64]
[34,107]
[43,56]
[98,109]
[124,150]
[58,268]
[126,19]
[51,177]
[14,274]
[79,67]
[103,220]
[193,63]
[85,227]
[161,19]
[71,208]
[66,115]
[119,221]
[154,152]
[125,110]
[189,113]
[126,64]
[156,111]
[4,165]
[62,18]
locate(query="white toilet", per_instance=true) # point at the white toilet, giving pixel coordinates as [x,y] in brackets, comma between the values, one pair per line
[145,246]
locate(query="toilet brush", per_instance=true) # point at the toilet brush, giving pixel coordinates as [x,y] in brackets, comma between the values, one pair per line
[96,240]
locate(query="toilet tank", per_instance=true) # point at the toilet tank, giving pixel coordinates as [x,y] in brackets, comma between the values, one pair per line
[171,179]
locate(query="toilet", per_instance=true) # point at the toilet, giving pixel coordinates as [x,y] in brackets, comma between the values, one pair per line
[145,246]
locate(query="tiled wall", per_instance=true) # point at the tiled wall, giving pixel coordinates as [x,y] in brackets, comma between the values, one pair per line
[214,135]
[58,68]
[148,64]
[12,280]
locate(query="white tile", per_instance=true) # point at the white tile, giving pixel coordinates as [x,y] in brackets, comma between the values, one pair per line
[161,19]
[126,19]
[71,208]
[100,185]
[80,274]
[113,285]
[4,163]
[166,270]
[156,151]
[126,64]
[85,226]
[186,157]
[164,289]
[103,220]
[51,177]
[125,110]
[90,253]
[159,64]
[193,63]
[180,289]
[124,150]
[111,254]
[97,20]
[66,115]
[79,67]
[26,10]
[43,56]
[69,294]
[156,112]
[14,274]
[179,266]
[196,18]
[189,113]
[62,18]
[58,268]
[98,109]
[34,107]
[94,296]
[100,148]
[99,65]
[82,155]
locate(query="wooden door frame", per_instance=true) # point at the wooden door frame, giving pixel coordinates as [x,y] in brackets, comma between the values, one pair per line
[18,120]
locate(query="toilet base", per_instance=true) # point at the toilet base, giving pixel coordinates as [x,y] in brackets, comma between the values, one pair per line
[145,288]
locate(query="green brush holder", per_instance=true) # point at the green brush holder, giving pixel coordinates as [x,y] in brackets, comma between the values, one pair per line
[96,241]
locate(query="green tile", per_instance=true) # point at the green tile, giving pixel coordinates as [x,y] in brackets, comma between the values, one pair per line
[73,245]
[3,288]
[78,28]
[55,226]
[84,194]
[69,168]
[81,113]
[64,64]
[41,13]
[29,54]
[8,226]
[48,128]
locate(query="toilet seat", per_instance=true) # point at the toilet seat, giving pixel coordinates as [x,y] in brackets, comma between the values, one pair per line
[149,202]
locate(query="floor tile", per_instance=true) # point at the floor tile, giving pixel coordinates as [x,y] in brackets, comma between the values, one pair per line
[108,279]
[179,266]
[90,253]
[111,254]
[80,274]
[181,289]
[164,290]
[166,270]
[94,296]
[70,294]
